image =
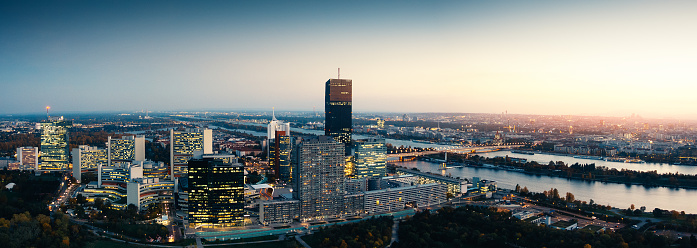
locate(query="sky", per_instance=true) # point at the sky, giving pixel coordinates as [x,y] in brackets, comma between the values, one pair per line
[607,58]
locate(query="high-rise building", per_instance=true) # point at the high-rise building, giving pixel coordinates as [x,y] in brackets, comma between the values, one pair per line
[277,125]
[280,157]
[55,152]
[28,158]
[369,158]
[279,140]
[183,144]
[126,149]
[318,177]
[216,193]
[87,158]
[338,110]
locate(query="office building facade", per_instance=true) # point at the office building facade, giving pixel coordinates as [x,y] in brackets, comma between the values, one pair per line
[279,158]
[279,148]
[126,149]
[216,193]
[28,158]
[182,147]
[370,156]
[318,177]
[146,192]
[55,151]
[87,158]
[338,109]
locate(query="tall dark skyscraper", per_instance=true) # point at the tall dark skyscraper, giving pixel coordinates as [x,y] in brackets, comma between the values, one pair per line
[280,156]
[216,193]
[338,110]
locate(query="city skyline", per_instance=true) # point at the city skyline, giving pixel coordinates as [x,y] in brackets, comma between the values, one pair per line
[591,58]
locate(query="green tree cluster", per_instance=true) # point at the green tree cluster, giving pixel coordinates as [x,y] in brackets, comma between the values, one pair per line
[485,227]
[25,230]
[374,232]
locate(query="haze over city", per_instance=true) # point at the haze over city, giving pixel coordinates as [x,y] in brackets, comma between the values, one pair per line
[532,57]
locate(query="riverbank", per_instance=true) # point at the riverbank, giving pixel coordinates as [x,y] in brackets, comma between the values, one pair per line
[626,177]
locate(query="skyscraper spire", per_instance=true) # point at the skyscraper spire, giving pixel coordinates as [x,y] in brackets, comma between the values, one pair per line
[273,113]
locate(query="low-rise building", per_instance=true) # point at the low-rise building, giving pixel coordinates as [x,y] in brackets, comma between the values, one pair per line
[455,186]
[565,225]
[395,199]
[144,192]
[281,211]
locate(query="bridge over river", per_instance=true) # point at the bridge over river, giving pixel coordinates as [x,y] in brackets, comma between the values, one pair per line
[465,149]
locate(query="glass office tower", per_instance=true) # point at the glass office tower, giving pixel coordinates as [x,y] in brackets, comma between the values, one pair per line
[338,110]
[55,151]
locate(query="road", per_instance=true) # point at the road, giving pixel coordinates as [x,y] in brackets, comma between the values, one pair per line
[395,230]
[302,242]
[64,194]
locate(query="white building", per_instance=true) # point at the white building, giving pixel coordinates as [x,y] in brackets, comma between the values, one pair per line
[87,158]
[396,199]
[28,158]
[144,192]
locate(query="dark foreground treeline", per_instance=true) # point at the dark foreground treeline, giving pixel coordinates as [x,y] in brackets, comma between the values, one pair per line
[374,232]
[482,227]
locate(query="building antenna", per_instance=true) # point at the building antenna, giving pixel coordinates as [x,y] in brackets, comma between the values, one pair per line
[273,113]
[339,73]
[47,108]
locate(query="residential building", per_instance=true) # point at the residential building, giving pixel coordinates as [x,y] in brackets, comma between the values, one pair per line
[275,212]
[318,177]
[396,199]
[456,186]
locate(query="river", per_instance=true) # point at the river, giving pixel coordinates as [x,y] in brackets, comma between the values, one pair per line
[394,142]
[545,158]
[616,195]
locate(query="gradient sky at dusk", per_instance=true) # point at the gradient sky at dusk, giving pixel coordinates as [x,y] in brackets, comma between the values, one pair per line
[528,57]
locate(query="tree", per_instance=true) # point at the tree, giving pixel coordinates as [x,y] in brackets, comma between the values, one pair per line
[657,212]
[81,199]
[98,203]
[525,190]
[517,188]
[632,207]
[80,212]
[570,197]
[555,194]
